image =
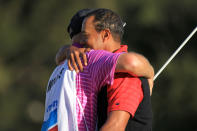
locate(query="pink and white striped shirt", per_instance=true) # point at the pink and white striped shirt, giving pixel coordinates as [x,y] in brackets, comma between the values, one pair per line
[99,72]
[65,88]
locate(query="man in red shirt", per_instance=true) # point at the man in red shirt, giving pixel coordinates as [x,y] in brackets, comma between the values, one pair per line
[126,94]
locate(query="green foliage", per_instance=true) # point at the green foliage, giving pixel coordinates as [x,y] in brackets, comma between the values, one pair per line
[32,31]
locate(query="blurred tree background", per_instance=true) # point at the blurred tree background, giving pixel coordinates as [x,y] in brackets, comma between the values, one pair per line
[31,31]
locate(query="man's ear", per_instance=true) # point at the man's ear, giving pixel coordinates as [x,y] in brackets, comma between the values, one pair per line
[106,34]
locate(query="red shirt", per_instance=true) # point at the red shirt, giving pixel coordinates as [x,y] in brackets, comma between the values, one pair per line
[126,92]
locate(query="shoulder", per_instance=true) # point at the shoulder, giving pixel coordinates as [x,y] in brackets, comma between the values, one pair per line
[98,52]
[101,54]
[95,55]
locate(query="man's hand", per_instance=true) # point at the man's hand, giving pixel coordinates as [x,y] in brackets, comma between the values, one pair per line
[151,83]
[73,55]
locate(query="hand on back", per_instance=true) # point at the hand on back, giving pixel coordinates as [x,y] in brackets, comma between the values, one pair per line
[74,54]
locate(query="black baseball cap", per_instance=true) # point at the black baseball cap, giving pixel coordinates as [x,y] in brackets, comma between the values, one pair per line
[76,22]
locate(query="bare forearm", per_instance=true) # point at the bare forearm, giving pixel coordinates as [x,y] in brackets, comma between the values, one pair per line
[61,54]
[116,121]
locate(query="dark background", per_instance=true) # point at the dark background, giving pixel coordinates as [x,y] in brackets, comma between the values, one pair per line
[31,31]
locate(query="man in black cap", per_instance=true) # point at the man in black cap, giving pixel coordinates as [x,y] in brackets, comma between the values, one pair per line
[139,116]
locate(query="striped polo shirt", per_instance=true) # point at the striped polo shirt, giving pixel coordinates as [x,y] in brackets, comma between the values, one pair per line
[71,99]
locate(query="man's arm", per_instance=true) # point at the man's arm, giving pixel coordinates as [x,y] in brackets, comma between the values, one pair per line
[61,54]
[72,54]
[116,121]
[136,64]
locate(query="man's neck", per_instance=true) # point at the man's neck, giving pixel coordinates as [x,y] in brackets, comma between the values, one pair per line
[113,47]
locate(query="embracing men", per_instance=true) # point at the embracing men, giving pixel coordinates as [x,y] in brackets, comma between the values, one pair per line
[71,99]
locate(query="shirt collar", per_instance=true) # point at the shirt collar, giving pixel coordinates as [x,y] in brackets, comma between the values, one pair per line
[123,48]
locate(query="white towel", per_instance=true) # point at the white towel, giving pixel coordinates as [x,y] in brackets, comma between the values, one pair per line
[60,112]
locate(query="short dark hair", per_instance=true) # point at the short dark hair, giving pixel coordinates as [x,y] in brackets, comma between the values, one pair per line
[107,19]
[76,22]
